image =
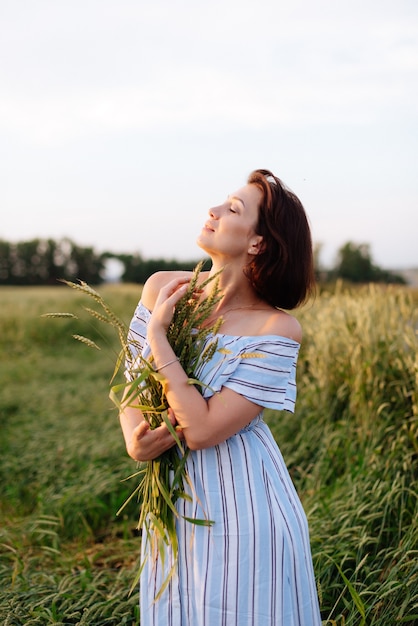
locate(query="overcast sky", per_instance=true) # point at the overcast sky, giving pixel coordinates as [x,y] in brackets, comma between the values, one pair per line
[123,121]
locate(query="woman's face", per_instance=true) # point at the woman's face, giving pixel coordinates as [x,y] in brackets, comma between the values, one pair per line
[230,228]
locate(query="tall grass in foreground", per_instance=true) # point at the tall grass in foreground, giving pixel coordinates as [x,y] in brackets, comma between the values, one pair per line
[351,448]
[64,557]
[353,451]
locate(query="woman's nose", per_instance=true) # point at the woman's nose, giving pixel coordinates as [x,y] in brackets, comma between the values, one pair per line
[214,212]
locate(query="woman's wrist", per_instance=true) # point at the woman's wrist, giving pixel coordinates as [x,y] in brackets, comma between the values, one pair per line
[156,336]
[170,362]
[163,353]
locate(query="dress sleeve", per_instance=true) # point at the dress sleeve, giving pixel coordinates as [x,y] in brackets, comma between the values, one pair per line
[137,336]
[266,373]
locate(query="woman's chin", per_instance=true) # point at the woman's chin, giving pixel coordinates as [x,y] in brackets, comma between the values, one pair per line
[202,244]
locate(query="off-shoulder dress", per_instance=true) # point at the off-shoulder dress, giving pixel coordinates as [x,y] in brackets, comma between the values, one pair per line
[253,567]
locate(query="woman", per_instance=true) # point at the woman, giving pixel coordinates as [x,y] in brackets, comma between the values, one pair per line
[253,566]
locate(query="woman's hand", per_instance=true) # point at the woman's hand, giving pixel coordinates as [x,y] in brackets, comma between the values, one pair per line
[146,444]
[163,310]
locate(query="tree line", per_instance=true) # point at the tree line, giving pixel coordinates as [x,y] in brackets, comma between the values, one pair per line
[46,261]
[355,265]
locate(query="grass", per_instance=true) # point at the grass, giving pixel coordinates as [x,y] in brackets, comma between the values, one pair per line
[351,447]
[65,557]
[353,452]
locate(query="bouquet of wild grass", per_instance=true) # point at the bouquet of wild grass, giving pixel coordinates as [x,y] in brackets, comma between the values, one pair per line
[163,480]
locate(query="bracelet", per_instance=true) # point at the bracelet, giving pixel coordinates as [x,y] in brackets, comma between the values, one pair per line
[166,364]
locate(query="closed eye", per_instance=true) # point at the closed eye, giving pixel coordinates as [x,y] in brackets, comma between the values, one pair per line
[233,207]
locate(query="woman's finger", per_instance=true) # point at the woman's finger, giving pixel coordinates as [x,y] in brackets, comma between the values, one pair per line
[141,430]
[171,416]
[176,294]
[171,293]
[174,285]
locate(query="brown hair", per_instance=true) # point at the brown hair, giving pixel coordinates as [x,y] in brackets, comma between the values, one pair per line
[283,272]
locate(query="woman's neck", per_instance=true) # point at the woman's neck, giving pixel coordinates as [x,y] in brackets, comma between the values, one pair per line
[236,290]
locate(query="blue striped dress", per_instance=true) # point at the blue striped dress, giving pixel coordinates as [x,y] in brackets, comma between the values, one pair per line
[253,567]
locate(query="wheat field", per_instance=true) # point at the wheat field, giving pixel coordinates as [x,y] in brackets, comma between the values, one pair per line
[351,448]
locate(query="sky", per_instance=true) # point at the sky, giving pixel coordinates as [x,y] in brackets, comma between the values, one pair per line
[123,121]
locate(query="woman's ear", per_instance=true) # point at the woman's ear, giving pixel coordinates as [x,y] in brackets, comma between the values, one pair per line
[256,245]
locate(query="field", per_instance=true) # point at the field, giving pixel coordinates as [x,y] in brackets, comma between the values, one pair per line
[352,449]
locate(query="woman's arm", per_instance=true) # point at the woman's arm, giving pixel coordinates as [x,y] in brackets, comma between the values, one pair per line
[204,423]
[142,443]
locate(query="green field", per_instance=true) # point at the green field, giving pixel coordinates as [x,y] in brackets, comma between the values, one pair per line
[352,449]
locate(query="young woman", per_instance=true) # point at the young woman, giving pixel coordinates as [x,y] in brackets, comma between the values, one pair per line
[253,567]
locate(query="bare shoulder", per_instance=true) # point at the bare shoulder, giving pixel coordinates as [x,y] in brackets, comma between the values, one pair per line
[283,324]
[263,321]
[156,282]
[159,280]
